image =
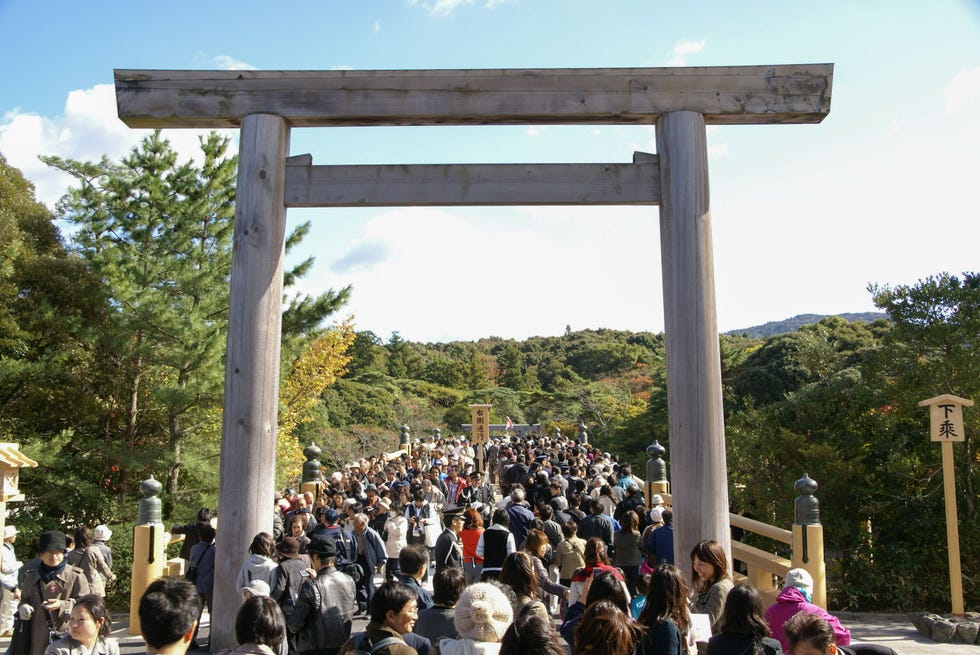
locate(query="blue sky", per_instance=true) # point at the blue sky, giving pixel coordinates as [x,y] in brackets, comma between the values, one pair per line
[804,217]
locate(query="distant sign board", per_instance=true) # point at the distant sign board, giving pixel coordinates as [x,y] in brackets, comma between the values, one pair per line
[481,423]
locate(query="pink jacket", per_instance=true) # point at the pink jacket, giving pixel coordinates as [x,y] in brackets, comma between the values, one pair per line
[791,601]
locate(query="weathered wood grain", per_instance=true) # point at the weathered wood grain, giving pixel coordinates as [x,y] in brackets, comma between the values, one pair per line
[472,184]
[698,468]
[725,95]
[251,399]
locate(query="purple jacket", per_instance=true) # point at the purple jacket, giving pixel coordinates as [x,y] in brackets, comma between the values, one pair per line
[791,601]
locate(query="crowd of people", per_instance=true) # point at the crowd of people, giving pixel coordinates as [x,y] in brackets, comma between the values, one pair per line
[567,556]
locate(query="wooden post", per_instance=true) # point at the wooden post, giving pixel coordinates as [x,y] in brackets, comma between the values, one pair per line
[952,531]
[814,563]
[248,436]
[946,426]
[699,478]
[149,564]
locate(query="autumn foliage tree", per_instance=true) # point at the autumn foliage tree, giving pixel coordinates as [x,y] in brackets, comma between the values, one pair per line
[317,367]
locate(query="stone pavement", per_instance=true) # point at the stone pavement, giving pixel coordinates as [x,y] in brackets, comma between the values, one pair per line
[893,630]
[897,631]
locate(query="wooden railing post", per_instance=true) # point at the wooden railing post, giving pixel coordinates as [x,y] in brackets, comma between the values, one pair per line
[808,539]
[656,474]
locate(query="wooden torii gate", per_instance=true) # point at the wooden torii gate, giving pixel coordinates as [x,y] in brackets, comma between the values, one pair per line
[265,105]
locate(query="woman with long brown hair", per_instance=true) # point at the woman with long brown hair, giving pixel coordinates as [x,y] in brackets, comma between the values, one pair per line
[536,545]
[743,624]
[529,634]
[710,580]
[518,573]
[665,614]
[605,630]
[629,549]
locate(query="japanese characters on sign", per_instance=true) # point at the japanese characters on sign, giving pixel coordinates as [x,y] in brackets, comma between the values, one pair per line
[946,422]
[481,423]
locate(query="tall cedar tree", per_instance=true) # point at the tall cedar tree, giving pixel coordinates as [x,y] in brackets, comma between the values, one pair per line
[158,233]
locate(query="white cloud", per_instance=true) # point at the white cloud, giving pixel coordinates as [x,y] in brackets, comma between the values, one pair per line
[441,7]
[682,50]
[377,26]
[225,62]
[447,7]
[88,129]
[534,130]
[963,90]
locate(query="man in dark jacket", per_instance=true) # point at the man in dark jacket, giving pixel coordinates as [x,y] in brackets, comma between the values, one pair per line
[448,551]
[596,524]
[630,503]
[519,515]
[330,530]
[202,558]
[287,580]
[324,610]
[478,495]
[413,561]
[190,532]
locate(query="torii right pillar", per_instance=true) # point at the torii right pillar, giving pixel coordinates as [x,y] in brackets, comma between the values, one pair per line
[699,475]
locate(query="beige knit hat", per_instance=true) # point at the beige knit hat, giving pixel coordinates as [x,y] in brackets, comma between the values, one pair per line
[483,613]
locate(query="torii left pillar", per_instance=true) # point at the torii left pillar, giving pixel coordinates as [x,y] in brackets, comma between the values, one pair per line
[248,430]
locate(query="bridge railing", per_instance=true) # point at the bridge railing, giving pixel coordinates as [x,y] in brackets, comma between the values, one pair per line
[766,570]
[763,569]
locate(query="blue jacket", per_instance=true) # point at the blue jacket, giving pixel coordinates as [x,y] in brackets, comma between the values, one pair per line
[661,543]
[374,548]
[424,595]
[519,522]
[203,555]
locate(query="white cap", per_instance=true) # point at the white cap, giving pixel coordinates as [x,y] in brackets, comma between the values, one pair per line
[102,533]
[799,578]
[9,531]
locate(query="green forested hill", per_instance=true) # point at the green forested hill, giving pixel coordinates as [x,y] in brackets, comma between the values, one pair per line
[794,323]
[834,398]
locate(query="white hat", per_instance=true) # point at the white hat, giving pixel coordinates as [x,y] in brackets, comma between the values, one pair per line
[656,499]
[656,515]
[799,578]
[102,533]
[9,531]
[483,613]
[257,588]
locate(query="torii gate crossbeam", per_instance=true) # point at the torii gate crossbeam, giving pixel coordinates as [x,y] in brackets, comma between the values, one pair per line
[266,104]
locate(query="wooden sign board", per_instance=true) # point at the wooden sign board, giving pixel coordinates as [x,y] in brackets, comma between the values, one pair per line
[481,424]
[946,417]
